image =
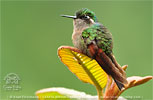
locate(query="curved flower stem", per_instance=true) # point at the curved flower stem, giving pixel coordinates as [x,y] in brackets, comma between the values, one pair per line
[100,93]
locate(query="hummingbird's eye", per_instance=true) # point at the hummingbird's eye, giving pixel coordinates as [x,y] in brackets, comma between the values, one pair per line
[84,17]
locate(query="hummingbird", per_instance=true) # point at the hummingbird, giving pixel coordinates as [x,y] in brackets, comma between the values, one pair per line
[95,40]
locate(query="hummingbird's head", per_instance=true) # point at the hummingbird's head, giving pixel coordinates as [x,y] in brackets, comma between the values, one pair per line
[83,18]
[86,14]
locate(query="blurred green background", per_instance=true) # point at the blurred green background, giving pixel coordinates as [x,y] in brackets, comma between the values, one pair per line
[32,31]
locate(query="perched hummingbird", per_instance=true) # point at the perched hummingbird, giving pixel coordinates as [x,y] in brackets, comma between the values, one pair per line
[95,41]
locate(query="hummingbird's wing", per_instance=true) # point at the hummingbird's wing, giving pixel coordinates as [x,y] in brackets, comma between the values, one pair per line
[99,42]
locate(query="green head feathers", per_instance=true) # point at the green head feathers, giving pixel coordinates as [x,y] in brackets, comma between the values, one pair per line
[86,12]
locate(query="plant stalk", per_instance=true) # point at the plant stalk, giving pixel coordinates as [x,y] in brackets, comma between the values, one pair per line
[100,94]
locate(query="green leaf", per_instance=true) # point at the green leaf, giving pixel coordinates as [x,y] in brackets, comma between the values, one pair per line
[62,94]
[69,94]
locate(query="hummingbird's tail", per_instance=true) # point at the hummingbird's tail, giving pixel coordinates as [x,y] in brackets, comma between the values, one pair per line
[112,57]
[109,65]
[119,85]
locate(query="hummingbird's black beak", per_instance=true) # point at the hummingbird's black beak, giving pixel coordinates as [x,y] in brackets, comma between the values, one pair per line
[67,16]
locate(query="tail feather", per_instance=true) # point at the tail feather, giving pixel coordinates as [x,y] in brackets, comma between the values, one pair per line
[110,68]
[111,56]
[119,85]
[109,65]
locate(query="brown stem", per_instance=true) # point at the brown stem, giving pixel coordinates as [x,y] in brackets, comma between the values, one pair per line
[100,93]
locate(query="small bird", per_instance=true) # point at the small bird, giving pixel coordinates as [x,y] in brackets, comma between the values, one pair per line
[95,41]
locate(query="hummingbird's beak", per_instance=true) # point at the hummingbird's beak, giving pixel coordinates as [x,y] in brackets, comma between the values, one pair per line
[67,16]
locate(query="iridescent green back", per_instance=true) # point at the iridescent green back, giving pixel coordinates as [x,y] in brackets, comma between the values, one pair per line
[100,35]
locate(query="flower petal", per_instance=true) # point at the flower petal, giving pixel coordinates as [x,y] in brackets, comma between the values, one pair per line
[137,80]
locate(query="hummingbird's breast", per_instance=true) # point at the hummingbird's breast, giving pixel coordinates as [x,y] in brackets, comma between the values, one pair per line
[76,38]
[78,42]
